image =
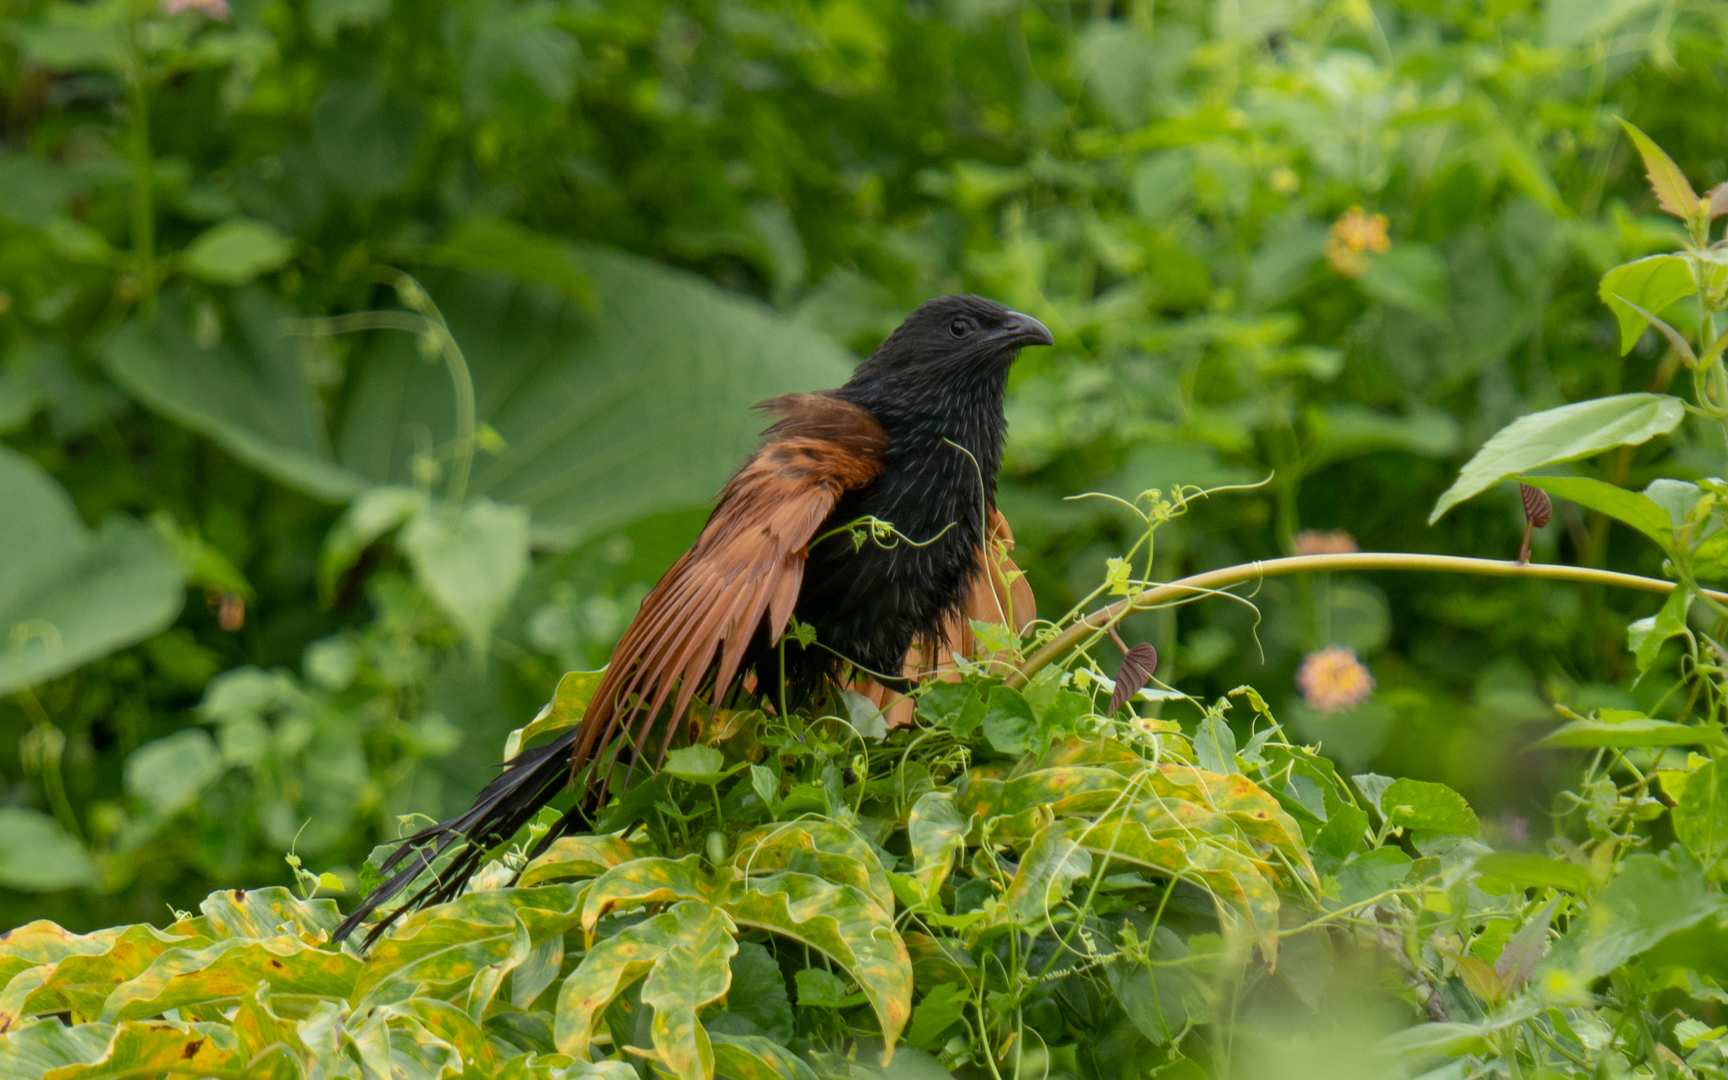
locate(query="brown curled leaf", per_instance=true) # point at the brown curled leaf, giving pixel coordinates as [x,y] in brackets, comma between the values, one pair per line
[1538,508]
[1137,667]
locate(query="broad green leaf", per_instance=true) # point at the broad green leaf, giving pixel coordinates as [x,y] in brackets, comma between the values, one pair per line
[470,559]
[1535,871]
[1673,193]
[1701,819]
[170,772]
[1371,874]
[935,831]
[1215,745]
[268,912]
[1629,507]
[286,965]
[1635,731]
[584,856]
[569,702]
[593,411]
[939,1010]
[79,983]
[247,390]
[1647,636]
[236,251]
[1009,723]
[819,989]
[752,1057]
[447,1025]
[1650,284]
[1649,899]
[758,995]
[1048,870]
[697,764]
[689,975]
[845,924]
[68,595]
[1416,804]
[134,1049]
[645,881]
[1568,433]
[845,857]
[447,951]
[45,943]
[613,963]
[1160,1000]
[37,855]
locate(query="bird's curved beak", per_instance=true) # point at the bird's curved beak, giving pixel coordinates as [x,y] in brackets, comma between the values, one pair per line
[1021,329]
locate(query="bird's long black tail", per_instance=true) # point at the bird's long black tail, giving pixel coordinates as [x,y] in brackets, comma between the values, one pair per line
[530,781]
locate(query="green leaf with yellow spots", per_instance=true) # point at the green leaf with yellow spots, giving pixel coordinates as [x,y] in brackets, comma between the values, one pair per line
[232,970]
[645,881]
[263,913]
[1047,871]
[843,856]
[47,1050]
[693,973]
[569,702]
[843,922]
[616,962]
[935,830]
[753,1057]
[584,857]
[80,983]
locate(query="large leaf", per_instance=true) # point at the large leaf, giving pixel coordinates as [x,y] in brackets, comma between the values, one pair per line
[469,559]
[691,974]
[67,595]
[1651,284]
[616,962]
[1701,819]
[599,414]
[37,855]
[1564,434]
[140,1049]
[844,923]
[844,857]
[1651,898]
[247,391]
[936,831]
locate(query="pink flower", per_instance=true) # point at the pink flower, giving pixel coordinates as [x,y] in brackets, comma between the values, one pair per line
[214,9]
[1315,542]
[1333,680]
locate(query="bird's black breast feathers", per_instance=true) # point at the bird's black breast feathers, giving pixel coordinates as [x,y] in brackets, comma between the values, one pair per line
[869,603]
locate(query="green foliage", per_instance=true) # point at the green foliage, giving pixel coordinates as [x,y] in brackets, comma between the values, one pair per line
[403,509]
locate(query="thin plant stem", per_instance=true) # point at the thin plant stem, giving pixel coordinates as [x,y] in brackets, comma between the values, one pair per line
[1213,580]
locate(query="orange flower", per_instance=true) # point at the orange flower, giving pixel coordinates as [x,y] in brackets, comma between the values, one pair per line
[1355,234]
[1333,542]
[1333,680]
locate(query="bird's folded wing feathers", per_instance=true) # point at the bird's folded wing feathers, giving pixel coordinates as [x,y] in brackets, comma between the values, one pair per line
[747,564]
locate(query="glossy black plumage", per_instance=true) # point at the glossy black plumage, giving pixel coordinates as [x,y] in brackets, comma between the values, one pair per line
[914,438]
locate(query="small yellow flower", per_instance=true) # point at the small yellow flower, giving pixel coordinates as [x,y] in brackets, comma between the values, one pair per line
[1333,542]
[1333,680]
[1355,234]
[1284,180]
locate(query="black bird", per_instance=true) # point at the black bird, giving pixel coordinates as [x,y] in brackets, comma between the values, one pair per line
[913,439]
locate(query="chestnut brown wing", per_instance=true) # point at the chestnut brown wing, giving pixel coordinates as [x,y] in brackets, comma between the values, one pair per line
[746,566]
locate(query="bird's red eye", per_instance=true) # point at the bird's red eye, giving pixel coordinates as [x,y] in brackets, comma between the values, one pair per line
[962,326]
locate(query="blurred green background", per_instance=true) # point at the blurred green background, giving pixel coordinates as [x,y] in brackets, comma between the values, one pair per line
[1336,242]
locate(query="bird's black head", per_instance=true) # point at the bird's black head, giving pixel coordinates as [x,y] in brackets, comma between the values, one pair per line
[951,340]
